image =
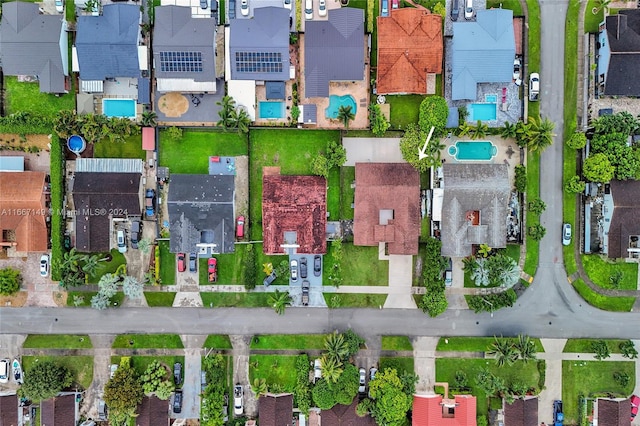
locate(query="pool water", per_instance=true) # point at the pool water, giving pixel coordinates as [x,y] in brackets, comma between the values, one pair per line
[271,110]
[76,144]
[483,112]
[119,107]
[473,150]
[491,98]
[335,102]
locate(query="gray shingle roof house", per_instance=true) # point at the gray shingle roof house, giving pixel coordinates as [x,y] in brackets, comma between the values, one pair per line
[483,52]
[619,54]
[107,45]
[259,47]
[34,44]
[183,51]
[334,50]
[474,208]
[201,214]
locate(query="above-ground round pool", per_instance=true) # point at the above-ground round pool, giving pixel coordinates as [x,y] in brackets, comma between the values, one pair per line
[76,144]
[473,150]
[335,102]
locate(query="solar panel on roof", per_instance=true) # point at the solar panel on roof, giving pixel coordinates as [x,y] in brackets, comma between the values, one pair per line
[266,62]
[181,61]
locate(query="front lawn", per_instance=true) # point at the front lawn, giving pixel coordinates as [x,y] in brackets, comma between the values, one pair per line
[107,266]
[606,303]
[584,345]
[167,264]
[288,341]
[473,344]
[525,373]
[235,300]
[533,192]
[84,298]
[404,110]
[159,298]
[400,364]
[62,341]
[230,267]
[217,341]
[27,97]
[591,21]
[360,266]
[396,343]
[80,366]
[144,341]
[274,369]
[586,378]
[130,148]
[191,153]
[354,300]
[140,363]
[600,270]
[506,4]
[533,13]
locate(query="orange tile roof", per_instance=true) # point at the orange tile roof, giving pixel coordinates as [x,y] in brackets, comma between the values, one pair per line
[22,209]
[410,46]
[428,411]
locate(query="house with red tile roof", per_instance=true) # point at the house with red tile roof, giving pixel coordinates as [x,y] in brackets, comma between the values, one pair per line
[294,213]
[410,48]
[275,409]
[387,207]
[436,410]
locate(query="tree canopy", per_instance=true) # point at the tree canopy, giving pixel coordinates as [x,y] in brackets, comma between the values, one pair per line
[598,168]
[390,399]
[434,112]
[10,281]
[45,380]
[123,392]
[412,141]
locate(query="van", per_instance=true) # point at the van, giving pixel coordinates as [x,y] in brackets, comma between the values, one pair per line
[468,9]
[455,10]
[4,371]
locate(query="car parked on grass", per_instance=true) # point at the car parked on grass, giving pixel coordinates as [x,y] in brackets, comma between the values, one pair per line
[149,202]
[238,393]
[177,373]
[182,265]
[269,279]
[122,241]
[294,270]
[566,234]
[363,380]
[303,267]
[534,87]
[193,262]
[44,265]
[212,269]
[240,227]
[177,402]
[322,8]
[317,265]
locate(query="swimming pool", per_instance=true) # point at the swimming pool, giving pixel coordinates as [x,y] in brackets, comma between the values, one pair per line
[76,144]
[473,150]
[112,107]
[483,112]
[335,102]
[271,110]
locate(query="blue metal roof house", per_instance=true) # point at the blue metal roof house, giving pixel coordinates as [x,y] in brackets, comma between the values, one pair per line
[483,52]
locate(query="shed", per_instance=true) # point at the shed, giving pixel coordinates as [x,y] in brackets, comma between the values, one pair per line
[148,139]
[275,90]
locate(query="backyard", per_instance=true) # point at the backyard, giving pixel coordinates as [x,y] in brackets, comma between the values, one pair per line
[27,97]
[130,148]
[404,110]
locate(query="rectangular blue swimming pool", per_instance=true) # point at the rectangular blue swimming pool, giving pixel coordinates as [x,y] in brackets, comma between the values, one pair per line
[483,112]
[269,110]
[473,150]
[115,107]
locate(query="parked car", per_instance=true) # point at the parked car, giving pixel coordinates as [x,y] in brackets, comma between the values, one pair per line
[294,270]
[177,401]
[244,7]
[455,10]
[303,267]
[317,369]
[112,370]
[372,373]
[44,265]
[517,65]
[635,402]
[59,6]
[394,4]
[534,87]
[193,262]
[203,380]
[566,234]
[204,4]
[232,9]
[558,415]
[269,279]
[468,9]
[448,274]
[225,408]
[322,8]
[238,393]
[240,227]
[287,4]
[177,373]
[182,265]
[135,233]
[122,241]
[384,11]
[317,265]
[212,269]
[4,371]
[305,292]
[363,380]
[308,9]
[102,410]
[149,202]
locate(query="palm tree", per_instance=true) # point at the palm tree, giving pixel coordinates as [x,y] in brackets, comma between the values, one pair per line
[503,351]
[600,5]
[509,130]
[66,124]
[91,264]
[242,120]
[345,115]
[434,152]
[149,119]
[464,129]
[279,300]
[228,105]
[331,368]
[480,131]
[259,386]
[337,348]
[522,132]
[71,260]
[540,134]
[525,348]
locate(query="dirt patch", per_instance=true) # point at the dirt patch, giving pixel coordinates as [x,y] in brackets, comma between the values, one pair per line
[60,298]
[14,142]
[242,186]
[16,301]
[173,104]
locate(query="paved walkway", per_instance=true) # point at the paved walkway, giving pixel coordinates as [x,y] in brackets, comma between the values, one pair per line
[424,364]
[552,379]
[372,150]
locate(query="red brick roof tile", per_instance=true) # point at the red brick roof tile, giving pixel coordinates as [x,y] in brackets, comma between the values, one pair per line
[429,411]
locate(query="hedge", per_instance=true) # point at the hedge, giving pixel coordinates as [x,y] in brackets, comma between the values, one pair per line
[57,196]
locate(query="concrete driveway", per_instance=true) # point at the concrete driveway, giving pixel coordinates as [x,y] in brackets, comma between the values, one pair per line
[191,384]
[400,280]
[39,288]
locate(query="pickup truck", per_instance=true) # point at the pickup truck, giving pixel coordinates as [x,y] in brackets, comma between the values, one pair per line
[558,415]
[305,292]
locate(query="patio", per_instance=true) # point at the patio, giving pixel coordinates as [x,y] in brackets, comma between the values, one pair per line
[188,109]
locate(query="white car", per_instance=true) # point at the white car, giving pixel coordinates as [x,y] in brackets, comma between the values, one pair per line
[468,9]
[308,9]
[517,65]
[59,6]
[244,7]
[44,265]
[4,371]
[287,4]
[317,369]
[238,393]
[112,370]
[322,8]
[294,270]
[363,381]
[122,242]
[534,87]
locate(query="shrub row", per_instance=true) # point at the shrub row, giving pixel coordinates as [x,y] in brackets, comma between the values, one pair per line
[57,197]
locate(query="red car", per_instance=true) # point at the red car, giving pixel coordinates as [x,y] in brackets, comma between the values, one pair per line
[635,402]
[182,265]
[240,227]
[394,4]
[212,263]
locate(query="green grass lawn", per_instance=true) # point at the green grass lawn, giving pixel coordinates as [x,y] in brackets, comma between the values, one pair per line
[217,341]
[616,304]
[354,300]
[230,267]
[400,364]
[87,295]
[140,363]
[528,374]
[396,343]
[143,341]
[404,110]
[506,4]
[347,193]
[333,194]
[592,377]
[600,269]
[167,264]
[591,20]
[360,266]
[191,153]
[274,260]
[130,148]
[513,251]
[290,149]
[239,300]
[288,341]
[80,366]
[584,345]
[27,97]
[275,369]
[533,192]
[533,23]
[65,341]
[159,298]
[107,267]
[473,344]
